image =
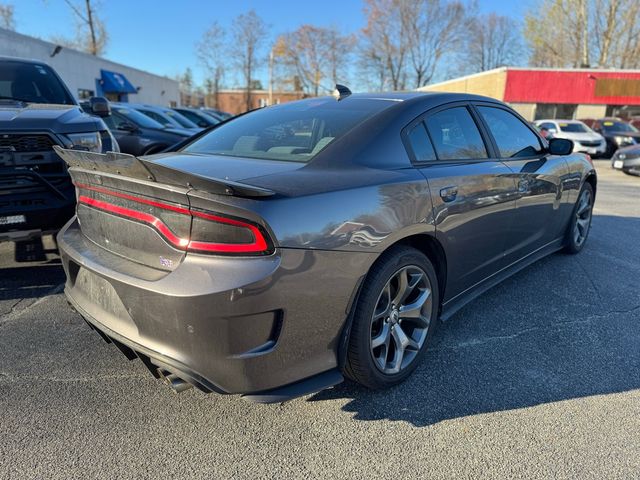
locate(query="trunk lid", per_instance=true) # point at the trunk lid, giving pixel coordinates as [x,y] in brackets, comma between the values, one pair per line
[143,211]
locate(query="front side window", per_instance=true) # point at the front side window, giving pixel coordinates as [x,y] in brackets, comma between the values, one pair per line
[455,135]
[180,119]
[137,118]
[514,138]
[158,118]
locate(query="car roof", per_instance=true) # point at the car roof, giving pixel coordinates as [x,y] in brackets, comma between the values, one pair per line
[382,101]
[148,107]
[33,61]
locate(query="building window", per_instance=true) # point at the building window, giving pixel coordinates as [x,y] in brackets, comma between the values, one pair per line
[555,110]
[623,111]
[85,94]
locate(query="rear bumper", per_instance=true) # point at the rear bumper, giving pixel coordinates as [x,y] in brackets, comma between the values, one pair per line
[230,325]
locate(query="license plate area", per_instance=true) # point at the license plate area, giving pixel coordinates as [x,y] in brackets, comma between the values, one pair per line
[13,220]
[100,300]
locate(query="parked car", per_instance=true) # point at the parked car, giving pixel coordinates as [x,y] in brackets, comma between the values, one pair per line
[635,122]
[138,134]
[167,117]
[584,139]
[217,113]
[37,111]
[627,159]
[201,118]
[617,133]
[314,239]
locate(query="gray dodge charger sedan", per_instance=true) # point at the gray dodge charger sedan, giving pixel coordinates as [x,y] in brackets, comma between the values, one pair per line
[300,243]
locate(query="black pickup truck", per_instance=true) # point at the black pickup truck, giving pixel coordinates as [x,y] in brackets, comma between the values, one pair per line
[37,111]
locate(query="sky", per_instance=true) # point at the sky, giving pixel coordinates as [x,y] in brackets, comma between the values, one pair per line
[160,36]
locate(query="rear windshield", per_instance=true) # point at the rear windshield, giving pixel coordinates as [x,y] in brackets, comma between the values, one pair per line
[573,127]
[292,132]
[32,83]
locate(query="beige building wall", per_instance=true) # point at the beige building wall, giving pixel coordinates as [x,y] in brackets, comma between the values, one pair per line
[490,84]
[527,110]
[591,111]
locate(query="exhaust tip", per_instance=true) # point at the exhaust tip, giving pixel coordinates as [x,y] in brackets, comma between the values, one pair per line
[176,383]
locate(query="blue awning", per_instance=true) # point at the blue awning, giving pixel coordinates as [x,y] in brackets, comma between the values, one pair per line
[114,82]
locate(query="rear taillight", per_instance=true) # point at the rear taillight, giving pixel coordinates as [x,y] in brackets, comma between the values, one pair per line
[210,232]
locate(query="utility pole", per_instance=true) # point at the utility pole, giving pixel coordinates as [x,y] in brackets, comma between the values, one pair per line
[271,77]
[94,49]
[584,26]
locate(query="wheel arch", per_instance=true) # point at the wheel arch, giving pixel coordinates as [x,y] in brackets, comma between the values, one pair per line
[426,243]
[592,179]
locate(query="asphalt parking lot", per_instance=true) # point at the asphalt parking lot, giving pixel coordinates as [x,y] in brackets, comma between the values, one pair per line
[540,377]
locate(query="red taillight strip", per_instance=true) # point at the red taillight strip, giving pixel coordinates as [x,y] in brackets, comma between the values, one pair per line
[258,245]
[105,191]
[155,222]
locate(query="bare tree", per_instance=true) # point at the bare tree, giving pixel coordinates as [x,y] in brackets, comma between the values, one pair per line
[340,50]
[616,33]
[491,41]
[384,42]
[91,33]
[210,51]
[7,17]
[316,55]
[432,28]
[248,32]
[572,33]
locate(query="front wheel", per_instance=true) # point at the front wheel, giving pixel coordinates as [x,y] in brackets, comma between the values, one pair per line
[580,223]
[395,317]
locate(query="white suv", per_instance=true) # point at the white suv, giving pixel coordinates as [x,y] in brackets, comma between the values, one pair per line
[584,139]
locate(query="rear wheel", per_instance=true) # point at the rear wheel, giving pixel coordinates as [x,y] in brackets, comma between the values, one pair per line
[580,222]
[395,317]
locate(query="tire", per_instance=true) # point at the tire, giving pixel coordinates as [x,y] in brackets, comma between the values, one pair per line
[382,366]
[576,236]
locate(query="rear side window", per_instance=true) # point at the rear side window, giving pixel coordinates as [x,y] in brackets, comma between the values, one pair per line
[455,135]
[420,144]
[514,138]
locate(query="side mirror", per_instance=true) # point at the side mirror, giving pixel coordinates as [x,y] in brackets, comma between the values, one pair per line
[560,146]
[127,127]
[100,106]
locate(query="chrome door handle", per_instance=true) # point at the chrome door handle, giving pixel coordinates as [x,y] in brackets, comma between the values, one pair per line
[448,194]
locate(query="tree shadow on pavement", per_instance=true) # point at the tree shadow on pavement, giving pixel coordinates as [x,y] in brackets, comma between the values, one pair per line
[566,327]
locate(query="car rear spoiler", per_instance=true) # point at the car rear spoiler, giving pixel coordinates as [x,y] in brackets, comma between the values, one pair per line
[139,168]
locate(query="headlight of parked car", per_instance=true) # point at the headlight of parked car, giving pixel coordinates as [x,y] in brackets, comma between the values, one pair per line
[623,140]
[90,141]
